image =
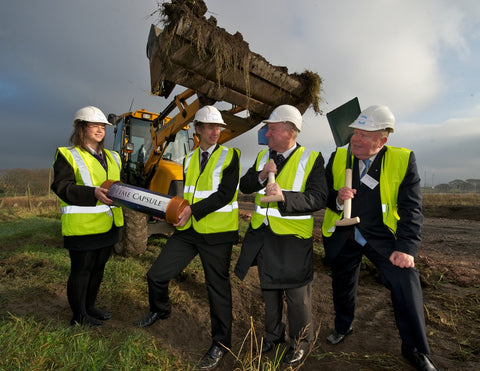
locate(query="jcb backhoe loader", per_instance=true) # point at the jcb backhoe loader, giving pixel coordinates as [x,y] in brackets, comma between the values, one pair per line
[213,66]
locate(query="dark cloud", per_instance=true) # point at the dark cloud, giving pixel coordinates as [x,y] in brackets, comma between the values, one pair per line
[58,56]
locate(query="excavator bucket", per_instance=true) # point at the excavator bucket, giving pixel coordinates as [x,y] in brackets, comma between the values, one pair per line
[194,52]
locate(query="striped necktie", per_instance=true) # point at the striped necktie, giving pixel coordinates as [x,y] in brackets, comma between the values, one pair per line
[365,169]
[204,160]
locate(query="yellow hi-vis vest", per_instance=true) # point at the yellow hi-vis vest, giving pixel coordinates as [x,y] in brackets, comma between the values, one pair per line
[293,177]
[83,220]
[394,168]
[200,185]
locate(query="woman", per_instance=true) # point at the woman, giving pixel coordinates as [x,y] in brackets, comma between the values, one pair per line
[90,222]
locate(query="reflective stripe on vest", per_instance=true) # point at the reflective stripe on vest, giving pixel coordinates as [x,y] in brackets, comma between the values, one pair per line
[82,168]
[338,169]
[86,209]
[200,185]
[293,177]
[217,172]
[87,180]
[394,167]
[83,220]
[395,164]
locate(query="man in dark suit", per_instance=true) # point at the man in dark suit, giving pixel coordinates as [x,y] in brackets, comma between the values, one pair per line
[208,227]
[279,238]
[386,196]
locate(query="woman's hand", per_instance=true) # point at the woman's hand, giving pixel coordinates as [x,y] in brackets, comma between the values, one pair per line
[101,195]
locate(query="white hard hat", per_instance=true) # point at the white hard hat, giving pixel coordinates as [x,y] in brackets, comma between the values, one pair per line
[90,114]
[209,115]
[286,113]
[374,118]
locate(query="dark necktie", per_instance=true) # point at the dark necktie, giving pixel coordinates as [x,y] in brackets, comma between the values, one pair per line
[280,160]
[204,160]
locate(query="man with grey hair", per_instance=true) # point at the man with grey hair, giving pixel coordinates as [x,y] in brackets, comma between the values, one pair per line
[279,238]
[386,196]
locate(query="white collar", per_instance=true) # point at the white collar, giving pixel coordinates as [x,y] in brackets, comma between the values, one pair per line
[209,150]
[93,152]
[288,152]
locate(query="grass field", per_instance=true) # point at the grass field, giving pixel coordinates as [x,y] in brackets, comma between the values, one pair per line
[33,267]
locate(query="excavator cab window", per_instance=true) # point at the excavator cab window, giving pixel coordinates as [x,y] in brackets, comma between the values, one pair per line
[117,143]
[178,149]
[141,139]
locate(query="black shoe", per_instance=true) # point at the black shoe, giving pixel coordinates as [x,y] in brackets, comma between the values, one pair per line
[294,355]
[267,346]
[86,320]
[100,314]
[335,337]
[150,319]
[419,360]
[212,357]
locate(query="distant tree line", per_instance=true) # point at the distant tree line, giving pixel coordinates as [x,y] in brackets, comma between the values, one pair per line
[19,182]
[456,186]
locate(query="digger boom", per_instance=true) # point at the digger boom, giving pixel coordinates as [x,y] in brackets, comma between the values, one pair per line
[212,66]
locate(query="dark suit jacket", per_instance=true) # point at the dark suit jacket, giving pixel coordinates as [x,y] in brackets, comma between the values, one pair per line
[367,205]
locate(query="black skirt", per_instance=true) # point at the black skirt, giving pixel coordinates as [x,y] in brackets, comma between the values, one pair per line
[93,241]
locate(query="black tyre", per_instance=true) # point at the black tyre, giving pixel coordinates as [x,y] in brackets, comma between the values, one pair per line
[176,188]
[134,236]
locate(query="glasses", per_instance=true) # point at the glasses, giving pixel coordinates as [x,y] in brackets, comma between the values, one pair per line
[96,126]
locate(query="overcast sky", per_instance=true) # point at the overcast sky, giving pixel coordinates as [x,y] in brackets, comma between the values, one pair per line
[420,58]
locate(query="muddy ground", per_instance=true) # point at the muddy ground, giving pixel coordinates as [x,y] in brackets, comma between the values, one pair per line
[449,259]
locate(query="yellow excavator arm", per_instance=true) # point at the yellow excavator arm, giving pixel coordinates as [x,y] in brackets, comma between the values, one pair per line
[166,126]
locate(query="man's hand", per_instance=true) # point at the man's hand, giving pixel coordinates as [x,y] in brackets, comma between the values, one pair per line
[273,189]
[269,167]
[402,260]
[345,193]
[101,195]
[183,217]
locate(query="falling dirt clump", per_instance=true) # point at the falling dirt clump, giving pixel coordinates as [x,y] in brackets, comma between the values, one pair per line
[311,94]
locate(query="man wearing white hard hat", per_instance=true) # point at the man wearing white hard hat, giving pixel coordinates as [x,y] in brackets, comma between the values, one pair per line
[208,227]
[386,197]
[279,238]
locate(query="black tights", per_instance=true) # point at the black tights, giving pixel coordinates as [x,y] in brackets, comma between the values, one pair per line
[86,275]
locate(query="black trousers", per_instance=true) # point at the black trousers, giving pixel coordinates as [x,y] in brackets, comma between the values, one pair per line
[86,275]
[404,286]
[299,314]
[180,249]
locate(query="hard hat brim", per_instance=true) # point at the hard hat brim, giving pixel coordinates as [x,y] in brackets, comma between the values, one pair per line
[93,122]
[197,122]
[281,121]
[366,127]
